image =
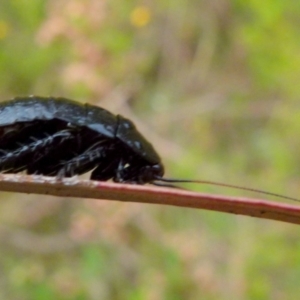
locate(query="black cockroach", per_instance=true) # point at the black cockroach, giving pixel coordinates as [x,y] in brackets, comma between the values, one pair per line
[60,137]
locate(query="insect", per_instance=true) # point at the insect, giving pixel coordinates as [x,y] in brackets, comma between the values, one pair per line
[61,137]
[57,136]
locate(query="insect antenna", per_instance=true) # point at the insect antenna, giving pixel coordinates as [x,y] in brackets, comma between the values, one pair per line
[171,180]
[157,183]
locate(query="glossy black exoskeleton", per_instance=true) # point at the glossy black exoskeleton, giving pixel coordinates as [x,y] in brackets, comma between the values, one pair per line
[57,136]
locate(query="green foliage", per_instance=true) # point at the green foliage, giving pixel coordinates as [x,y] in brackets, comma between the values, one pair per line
[270,33]
[214,85]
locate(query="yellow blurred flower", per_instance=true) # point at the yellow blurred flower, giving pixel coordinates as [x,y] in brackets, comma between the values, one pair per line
[3,29]
[140,16]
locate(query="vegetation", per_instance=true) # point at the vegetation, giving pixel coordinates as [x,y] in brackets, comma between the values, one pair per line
[214,86]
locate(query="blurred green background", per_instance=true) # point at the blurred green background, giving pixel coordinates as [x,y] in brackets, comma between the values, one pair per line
[214,85]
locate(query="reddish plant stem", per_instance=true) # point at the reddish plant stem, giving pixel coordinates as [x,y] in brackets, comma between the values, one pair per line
[72,187]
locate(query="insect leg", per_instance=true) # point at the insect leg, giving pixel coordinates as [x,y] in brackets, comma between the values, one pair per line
[20,158]
[81,163]
[119,176]
[106,169]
